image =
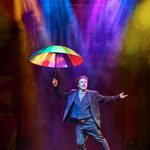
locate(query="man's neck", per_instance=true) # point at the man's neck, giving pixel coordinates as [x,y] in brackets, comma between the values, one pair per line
[82,91]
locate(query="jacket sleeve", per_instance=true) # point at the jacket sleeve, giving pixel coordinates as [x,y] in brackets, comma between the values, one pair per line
[102,98]
[61,93]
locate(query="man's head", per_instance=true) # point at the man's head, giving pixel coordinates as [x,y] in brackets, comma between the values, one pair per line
[82,82]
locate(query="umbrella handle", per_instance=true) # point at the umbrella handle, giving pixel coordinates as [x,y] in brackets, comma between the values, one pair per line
[55,73]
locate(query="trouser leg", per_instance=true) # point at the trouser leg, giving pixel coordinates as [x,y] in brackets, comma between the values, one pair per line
[99,137]
[89,128]
[81,137]
[95,132]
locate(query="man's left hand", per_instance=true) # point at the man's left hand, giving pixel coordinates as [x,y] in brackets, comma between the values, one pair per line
[122,95]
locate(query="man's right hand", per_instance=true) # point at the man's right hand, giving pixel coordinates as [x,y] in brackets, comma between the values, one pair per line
[55,82]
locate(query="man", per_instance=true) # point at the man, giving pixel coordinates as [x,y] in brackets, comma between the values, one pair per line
[83,108]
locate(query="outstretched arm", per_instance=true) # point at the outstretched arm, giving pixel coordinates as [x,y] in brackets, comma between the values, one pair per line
[58,91]
[118,97]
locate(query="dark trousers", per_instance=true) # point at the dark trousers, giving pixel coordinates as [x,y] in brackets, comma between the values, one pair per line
[89,127]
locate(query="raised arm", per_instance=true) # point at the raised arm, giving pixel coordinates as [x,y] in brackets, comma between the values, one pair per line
[57,89]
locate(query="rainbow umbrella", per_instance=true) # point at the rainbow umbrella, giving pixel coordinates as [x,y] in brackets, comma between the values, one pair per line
[56,57]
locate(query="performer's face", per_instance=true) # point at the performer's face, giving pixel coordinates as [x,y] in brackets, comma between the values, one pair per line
[82,84]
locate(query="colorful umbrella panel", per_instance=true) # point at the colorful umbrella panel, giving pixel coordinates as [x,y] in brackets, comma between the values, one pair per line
[56,57]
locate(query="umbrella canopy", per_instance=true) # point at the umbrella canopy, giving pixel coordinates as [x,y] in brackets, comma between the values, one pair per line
[56,57]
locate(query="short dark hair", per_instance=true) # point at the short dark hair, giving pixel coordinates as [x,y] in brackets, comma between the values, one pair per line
[80,77]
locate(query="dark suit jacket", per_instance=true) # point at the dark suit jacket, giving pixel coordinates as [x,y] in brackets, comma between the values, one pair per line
[94,99]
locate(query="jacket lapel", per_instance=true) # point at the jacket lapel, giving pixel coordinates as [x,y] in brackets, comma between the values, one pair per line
[88,95]
[73,96]
[70,102]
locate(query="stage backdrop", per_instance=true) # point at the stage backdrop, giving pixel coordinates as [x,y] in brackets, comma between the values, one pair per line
[113,38]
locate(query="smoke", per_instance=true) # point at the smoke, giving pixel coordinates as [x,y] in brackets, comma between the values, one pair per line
[136,43]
